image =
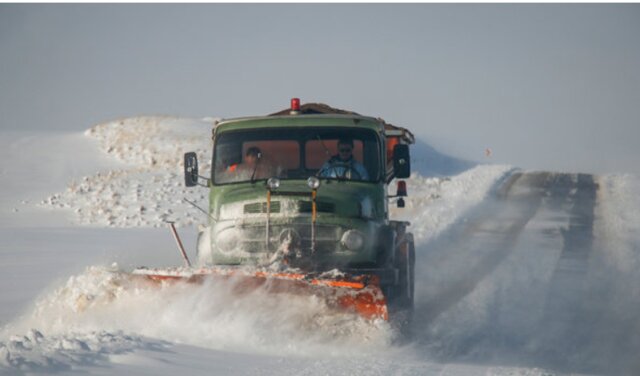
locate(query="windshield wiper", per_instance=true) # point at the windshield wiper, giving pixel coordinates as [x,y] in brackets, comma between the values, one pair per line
[326,149]
[255,168]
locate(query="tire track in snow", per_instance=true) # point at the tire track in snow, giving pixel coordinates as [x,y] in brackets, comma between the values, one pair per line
[525,281]
[568,285]
[452,266]
[583,329]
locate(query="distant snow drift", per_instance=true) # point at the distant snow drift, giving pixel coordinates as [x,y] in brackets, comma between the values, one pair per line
[149,187]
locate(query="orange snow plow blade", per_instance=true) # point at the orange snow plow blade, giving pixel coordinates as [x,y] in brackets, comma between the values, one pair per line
[360,294]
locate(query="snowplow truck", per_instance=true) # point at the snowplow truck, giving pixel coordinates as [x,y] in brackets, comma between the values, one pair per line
[299,200]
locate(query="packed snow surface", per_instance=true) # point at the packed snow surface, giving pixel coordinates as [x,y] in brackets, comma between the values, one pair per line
[72,309]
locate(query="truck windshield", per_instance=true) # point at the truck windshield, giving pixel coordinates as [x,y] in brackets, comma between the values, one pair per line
[296,153]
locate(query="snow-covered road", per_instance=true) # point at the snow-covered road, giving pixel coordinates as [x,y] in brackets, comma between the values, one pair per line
[510,280]
[518,273]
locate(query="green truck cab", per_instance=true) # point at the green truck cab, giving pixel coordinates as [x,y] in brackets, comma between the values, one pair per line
[286,191]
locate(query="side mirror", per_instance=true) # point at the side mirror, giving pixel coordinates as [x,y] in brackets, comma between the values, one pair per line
[401,161]
[190,169]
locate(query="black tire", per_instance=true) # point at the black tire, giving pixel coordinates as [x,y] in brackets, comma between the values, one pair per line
[405,262]
[401,300]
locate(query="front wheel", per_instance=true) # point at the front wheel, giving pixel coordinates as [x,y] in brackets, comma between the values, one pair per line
[405,262]
[401,296]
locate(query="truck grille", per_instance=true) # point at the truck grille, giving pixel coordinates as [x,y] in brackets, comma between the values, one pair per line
[323,207]
[300,207]
[327,237]
[261,207]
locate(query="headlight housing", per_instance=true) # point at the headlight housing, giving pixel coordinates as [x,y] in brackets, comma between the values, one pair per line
[313,182]
[227,240]
[352,240]
[273,183]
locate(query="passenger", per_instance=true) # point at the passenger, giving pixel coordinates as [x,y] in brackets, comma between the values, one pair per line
[244,170]
[343,165]
[254,166]
[252,158]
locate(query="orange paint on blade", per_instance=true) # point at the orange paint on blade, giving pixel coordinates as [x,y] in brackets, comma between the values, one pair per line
[366,304]
[360,294]
[351,285]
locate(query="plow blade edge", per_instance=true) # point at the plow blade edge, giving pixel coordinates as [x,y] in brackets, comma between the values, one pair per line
[360,294]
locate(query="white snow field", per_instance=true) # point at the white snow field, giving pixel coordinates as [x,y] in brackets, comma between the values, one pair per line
[518,273]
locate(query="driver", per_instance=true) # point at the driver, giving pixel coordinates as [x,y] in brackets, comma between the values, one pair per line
[343,165]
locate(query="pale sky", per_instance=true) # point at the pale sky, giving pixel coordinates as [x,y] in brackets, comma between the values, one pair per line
[545,86]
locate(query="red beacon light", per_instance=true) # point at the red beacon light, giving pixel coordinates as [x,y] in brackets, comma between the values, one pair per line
[295,106]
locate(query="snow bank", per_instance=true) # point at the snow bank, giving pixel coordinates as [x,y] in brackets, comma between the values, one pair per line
[615,271]
[618,222]
[155,142]
[148,188]
[35,352]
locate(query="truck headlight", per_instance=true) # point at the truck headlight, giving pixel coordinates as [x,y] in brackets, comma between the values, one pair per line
[352,240]
[313,182]
[273,183]
[227,240]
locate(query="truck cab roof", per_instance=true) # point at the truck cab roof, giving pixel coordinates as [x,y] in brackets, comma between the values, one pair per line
[318,114]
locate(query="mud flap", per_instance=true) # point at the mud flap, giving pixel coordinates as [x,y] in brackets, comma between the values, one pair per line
[386,247]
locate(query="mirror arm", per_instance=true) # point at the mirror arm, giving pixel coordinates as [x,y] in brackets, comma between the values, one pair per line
[205,179]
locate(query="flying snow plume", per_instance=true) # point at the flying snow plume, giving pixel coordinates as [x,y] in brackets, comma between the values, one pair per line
[210,315]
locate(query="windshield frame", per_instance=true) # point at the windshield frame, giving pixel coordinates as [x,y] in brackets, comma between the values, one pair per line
[375,136]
